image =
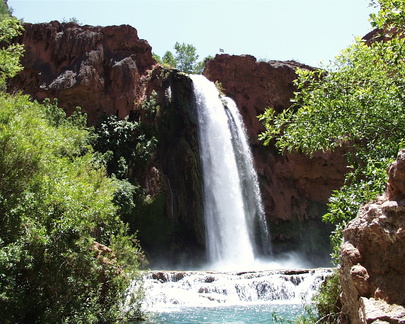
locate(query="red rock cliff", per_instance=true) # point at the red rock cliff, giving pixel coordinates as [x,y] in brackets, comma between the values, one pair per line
[101,69]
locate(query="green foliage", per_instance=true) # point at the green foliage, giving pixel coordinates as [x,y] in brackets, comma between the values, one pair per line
[219,87]
[5,12]
[125,148]
[390,18]
[71,20]
[356,103]
[54,205]
[169,60]
[157,58]
[327,300]
[150,108]
[185,59]
[122,145]
[57,215]
[11,53]
[307,318]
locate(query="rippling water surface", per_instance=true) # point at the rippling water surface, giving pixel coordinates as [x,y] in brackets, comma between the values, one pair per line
[252,314]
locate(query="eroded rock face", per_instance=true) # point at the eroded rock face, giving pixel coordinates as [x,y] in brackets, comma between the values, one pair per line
[100,69]
[295,188]
[254,85]
[372,272]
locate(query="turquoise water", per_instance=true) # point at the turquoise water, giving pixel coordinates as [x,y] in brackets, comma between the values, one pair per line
[251,314]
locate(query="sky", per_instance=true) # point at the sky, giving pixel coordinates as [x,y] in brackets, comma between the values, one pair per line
[308,31]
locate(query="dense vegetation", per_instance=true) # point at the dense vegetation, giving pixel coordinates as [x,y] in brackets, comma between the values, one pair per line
[5,12]
[125,148]
[357,103]
[65,255]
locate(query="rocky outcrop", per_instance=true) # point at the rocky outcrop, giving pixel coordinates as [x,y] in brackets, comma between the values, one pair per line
[100,69]
[372,272]
[254,85]
[295,188]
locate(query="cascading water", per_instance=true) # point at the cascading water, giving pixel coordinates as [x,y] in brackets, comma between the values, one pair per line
[229,297]
[254,211]
[208,288]
[236,234]
[234,216]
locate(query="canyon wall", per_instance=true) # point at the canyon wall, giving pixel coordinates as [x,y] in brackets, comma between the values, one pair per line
[372,272]
[110,70]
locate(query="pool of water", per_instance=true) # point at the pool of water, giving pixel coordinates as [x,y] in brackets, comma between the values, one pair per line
[250,314]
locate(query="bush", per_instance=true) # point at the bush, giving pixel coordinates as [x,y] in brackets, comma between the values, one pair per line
[55,208]
[122,145]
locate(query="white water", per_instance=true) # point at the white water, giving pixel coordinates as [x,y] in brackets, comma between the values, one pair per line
[236,229]
[168,290]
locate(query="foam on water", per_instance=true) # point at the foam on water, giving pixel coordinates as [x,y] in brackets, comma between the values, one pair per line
[167,290]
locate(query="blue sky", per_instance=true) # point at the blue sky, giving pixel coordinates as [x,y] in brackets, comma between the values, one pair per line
[309,31]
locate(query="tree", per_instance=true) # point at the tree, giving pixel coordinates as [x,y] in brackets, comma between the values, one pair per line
[65,256]
[169,59]
[185,59]
[11,53]
[357,102]
[5,12]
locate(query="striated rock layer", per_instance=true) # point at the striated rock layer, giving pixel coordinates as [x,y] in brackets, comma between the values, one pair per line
[372,272]
[295,188]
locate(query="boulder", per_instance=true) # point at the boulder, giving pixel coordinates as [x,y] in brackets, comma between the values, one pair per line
[372,271]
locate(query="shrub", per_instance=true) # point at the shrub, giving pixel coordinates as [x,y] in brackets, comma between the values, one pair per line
[55,205]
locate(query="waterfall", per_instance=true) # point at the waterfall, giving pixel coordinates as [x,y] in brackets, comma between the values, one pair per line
[236,229]
[241,289]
